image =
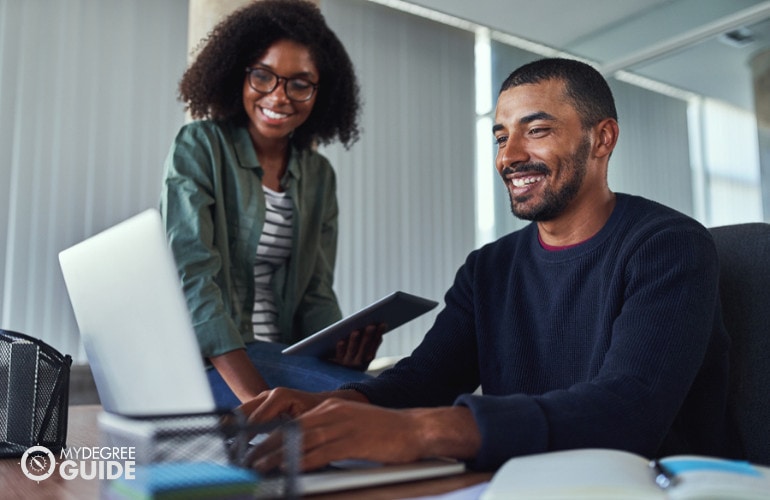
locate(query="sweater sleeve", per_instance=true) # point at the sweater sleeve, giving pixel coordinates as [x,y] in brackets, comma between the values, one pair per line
[444,365]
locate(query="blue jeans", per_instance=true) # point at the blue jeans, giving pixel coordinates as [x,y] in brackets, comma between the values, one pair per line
[282,370]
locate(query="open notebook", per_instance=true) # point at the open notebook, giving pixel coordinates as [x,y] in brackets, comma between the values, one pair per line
[595,474]
[137,334]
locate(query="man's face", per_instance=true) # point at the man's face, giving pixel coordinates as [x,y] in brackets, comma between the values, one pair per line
[542,149]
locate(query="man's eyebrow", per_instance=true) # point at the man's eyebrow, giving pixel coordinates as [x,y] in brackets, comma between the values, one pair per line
[540,115]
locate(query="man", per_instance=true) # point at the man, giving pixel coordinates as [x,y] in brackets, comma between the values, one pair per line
[596,326]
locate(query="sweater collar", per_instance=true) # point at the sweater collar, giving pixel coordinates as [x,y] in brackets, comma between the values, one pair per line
[618,212]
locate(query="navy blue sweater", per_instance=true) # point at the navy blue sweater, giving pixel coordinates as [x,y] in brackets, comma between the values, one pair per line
[617,342]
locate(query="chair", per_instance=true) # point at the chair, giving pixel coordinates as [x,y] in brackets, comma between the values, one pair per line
[744,284]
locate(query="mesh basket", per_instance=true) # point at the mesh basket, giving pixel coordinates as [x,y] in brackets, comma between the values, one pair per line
[34,394]
[200,437]
[184,447]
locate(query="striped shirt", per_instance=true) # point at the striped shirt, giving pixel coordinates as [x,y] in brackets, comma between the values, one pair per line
[272,252]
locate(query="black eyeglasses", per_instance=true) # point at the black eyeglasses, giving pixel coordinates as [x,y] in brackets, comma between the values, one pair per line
[265,81]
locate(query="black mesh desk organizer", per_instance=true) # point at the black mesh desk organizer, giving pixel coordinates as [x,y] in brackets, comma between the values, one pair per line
[34,394]
[222,437]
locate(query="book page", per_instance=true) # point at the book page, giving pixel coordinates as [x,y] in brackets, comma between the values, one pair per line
[576,474]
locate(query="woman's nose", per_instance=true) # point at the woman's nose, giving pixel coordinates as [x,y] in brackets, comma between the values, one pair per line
[279,92]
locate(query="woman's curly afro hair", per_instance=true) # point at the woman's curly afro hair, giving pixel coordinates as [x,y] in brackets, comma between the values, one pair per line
[212,86]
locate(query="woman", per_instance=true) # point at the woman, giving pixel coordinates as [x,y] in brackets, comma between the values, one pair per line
[250,208]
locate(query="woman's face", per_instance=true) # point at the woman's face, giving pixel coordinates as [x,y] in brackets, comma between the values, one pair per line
[273,115]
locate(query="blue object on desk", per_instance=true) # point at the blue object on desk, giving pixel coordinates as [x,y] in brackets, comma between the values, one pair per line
[682,465]
[199,480]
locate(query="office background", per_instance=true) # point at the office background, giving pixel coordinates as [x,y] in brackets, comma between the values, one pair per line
[88,111]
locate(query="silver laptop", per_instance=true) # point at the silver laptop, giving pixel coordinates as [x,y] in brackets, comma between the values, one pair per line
[137,333]
[134,322]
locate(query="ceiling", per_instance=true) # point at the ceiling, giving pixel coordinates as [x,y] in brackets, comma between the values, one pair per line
[682,43]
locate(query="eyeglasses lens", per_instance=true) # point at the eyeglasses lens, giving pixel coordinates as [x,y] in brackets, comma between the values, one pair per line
[297,89]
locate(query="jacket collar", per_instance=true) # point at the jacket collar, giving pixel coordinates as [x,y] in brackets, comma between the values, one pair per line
[247,156]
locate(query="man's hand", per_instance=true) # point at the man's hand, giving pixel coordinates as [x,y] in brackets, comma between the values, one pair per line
[360,348]
[337,429]
[282,402]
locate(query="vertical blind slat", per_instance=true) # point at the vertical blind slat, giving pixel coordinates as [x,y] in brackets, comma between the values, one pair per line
[406,188]
[80,82]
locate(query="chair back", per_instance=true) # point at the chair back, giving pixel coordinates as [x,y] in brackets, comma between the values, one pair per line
[744,285]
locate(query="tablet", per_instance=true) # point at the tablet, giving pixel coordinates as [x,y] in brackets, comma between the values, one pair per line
[394,310]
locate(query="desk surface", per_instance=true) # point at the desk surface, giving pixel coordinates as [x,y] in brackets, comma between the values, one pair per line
[83,431]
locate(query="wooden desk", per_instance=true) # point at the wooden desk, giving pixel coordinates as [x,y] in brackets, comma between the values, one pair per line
[83,430]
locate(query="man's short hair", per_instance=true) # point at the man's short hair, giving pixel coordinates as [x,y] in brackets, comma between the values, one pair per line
[585,86]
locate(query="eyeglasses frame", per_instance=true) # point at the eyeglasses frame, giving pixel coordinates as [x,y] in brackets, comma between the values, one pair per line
[278,79]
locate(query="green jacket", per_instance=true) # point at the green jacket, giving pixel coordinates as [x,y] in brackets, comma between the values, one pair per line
[213,208]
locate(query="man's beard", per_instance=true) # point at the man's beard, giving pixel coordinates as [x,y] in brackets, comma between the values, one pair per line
[554,202]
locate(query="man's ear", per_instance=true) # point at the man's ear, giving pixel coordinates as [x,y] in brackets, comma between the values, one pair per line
[606,133]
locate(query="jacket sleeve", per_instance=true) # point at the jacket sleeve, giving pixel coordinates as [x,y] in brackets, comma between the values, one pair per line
[187,206]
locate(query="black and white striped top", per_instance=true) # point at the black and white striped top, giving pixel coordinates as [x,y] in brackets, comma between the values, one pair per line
[273,250]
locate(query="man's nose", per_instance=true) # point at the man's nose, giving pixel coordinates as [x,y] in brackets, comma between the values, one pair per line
[511,153]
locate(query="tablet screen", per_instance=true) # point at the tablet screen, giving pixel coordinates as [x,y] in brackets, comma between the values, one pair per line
[394,310]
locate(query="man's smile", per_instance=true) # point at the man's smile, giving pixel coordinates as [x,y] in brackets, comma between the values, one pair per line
[526,180]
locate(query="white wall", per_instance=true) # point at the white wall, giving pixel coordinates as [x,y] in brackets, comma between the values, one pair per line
[406,188]
[87,113]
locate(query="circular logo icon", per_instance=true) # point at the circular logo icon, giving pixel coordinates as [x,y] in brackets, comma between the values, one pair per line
[38,463]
